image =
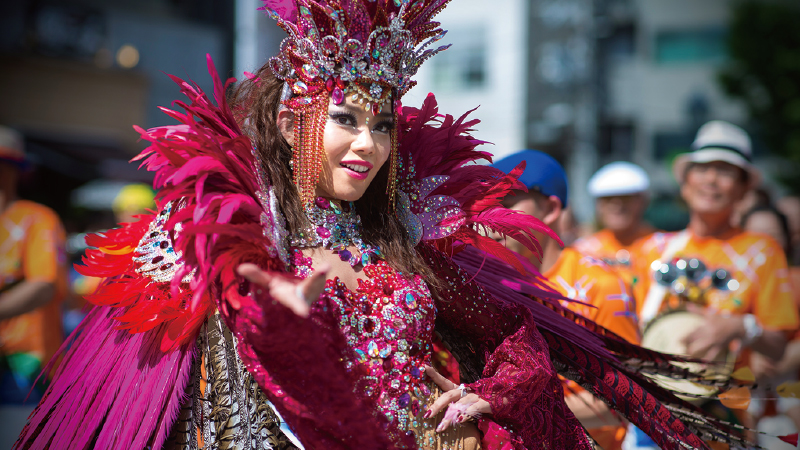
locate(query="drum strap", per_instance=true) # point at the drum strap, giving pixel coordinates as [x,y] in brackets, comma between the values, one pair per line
[657,292]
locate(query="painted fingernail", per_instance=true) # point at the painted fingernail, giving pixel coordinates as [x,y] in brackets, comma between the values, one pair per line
[461,418]
[427,414]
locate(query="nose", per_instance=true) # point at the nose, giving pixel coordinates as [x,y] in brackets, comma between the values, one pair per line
[363,142]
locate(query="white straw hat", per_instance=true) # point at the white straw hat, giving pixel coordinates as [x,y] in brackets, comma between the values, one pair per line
[618,178]
[719,141]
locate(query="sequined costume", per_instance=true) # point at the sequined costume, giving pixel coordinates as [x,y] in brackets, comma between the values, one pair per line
[180,351]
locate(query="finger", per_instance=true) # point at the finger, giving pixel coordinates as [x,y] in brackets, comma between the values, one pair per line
[690,338]
[313,286]
[443,426]
[441,402]
[697,348]
[478,407]
[713,353]
[254,274]
[443,383]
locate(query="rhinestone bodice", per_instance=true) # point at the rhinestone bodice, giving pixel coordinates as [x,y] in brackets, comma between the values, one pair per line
[388,323]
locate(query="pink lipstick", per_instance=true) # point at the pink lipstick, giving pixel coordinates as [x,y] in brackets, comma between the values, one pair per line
[357,169]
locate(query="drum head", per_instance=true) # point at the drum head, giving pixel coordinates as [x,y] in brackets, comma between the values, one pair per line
[665,334]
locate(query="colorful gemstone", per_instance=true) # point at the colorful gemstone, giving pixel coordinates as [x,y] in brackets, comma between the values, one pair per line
[404,400]
[411,301]
[372,349]
[401,357]
[425,390]
[361,356]
[300,87]
[345,255]
[369,325]
[309,71]
[337,96]
[385,351]
[323,232]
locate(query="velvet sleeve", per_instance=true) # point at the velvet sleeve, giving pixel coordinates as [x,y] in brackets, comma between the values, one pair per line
[518,379]
[301,364]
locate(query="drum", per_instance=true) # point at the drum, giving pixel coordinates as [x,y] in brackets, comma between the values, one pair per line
[665,334]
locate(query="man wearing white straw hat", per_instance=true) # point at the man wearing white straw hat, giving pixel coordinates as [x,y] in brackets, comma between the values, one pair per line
[620,190]
[736,280]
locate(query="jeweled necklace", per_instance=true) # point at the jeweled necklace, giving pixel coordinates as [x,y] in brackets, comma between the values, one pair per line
[336,227]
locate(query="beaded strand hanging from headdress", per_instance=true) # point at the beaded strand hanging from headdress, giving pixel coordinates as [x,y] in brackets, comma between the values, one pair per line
[365,49]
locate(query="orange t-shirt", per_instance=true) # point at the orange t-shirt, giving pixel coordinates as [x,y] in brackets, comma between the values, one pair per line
[32,249]
[591,281]
[604,245]
[754,260]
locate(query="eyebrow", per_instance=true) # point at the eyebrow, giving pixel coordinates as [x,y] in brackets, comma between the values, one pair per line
[356,110]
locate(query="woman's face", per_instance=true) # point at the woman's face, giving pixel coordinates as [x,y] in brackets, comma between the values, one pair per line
[357,144]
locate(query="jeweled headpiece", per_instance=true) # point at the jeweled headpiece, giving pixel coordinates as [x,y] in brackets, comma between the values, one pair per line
[367,49]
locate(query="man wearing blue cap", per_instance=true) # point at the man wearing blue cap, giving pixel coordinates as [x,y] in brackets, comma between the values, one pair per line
[576,276]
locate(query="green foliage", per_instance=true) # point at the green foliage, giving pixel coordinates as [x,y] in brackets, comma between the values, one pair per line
[764,45]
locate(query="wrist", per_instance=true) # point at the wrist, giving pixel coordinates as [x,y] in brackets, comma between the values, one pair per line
[752,329]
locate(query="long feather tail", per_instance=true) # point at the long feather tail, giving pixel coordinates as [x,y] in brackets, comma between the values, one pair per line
[112,390]
[604,364]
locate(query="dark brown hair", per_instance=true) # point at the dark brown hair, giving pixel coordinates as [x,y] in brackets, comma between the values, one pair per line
[255,103]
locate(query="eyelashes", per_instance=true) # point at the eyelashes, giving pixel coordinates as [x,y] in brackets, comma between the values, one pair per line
[348,119]
[343,118]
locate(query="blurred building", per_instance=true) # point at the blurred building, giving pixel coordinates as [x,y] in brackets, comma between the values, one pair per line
[636,78]
[78,74]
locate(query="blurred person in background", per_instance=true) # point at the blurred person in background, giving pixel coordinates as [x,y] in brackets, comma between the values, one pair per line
[790,207]
[32,283]
[132,200]
[620,190]
[753,198]
[768,220]
[571,230]
[580,277]
[750,308]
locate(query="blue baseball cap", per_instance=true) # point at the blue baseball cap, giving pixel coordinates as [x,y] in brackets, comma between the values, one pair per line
[542,173]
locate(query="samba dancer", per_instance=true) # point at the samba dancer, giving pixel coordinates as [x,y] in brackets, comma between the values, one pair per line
[310,239]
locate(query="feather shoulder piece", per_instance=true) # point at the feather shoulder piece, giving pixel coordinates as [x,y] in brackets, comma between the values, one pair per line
[449,201]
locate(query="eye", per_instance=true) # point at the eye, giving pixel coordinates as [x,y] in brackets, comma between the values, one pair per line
[384,127]
[343,118]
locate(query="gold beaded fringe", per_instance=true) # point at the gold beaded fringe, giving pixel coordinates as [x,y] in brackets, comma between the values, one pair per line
[309,151]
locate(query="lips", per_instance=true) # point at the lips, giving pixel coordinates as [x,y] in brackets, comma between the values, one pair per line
[356,169]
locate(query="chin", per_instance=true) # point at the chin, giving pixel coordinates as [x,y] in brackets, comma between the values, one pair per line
[348,195]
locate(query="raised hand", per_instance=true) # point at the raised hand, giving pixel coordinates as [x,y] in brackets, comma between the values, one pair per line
[295,295]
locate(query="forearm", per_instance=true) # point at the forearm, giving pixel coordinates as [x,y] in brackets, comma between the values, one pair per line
[791,357]
[591,412]
[25,297]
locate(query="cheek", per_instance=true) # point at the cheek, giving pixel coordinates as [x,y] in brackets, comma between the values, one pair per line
[336,142]
[383,147]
